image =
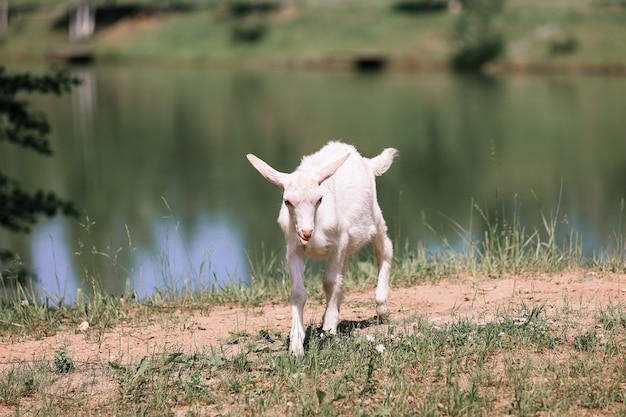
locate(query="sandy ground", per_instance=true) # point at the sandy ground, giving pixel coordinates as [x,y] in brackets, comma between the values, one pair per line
[447,300]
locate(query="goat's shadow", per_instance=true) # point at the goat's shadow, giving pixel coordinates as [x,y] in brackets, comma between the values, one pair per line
[345,329]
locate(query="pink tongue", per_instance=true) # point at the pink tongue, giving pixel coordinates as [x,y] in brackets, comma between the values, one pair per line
[304,241]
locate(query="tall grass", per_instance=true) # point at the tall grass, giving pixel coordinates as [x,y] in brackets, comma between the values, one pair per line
[494,243]
[613,259]
[497,242]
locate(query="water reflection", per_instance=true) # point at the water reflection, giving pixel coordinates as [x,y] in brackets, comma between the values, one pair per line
[84,109]
[52,262]
[208,254]
[211,255]
[139,147]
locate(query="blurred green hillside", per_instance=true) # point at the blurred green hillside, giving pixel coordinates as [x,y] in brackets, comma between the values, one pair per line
[536,35]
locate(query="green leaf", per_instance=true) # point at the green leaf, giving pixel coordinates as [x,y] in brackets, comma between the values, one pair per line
[172,357]
[320,396]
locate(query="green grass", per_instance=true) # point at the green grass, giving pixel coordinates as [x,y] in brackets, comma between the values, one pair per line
[329,33]
[531,30]
[535,360]
[311,34]
[517,364]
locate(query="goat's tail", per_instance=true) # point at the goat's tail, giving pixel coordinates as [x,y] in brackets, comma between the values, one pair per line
[381,163]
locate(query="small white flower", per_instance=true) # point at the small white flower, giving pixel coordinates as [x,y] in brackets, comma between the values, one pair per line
[520,320]
[370,338]
[380,348]
[322,336]
[24,303]
[289,404]
[297,375]
[83,326]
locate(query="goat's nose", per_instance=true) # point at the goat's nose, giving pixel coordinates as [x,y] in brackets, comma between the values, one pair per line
[306,233]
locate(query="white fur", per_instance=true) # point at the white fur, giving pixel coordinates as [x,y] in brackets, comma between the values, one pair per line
[329,211]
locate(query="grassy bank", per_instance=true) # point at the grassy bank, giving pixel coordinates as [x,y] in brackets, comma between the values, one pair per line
[564,36]
[564,359]
[494,244]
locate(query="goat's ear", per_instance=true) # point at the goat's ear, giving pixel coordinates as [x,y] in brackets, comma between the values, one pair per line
[267,171]
[326,172]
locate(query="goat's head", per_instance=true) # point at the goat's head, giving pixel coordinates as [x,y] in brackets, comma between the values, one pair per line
[302,193]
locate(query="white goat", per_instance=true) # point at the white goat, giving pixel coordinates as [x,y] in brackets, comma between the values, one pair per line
[329,211]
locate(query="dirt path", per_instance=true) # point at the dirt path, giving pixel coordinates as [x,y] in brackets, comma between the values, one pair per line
[478,297]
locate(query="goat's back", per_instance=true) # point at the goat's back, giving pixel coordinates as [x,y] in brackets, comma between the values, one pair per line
[350,203]
[352,184]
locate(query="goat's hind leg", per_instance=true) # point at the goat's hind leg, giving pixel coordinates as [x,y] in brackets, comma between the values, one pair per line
[384,255]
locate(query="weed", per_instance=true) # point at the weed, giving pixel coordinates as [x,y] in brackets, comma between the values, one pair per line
[615,260]
[62,362]
[586,342]
[22,381]
[613,316]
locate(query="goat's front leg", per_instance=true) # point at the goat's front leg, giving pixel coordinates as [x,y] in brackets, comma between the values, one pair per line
[384,255]
[295,258]
[333,288]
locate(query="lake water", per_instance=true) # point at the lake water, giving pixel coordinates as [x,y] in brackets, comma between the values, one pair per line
[154,158]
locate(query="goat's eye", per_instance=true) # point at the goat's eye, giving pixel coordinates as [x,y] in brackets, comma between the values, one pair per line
[319,201]
[288,203]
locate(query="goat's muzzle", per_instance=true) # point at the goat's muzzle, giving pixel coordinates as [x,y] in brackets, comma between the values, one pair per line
[305,236]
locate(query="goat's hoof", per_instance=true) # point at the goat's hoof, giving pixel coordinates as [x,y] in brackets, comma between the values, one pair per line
[298,353]
[383,312]
[296,350]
